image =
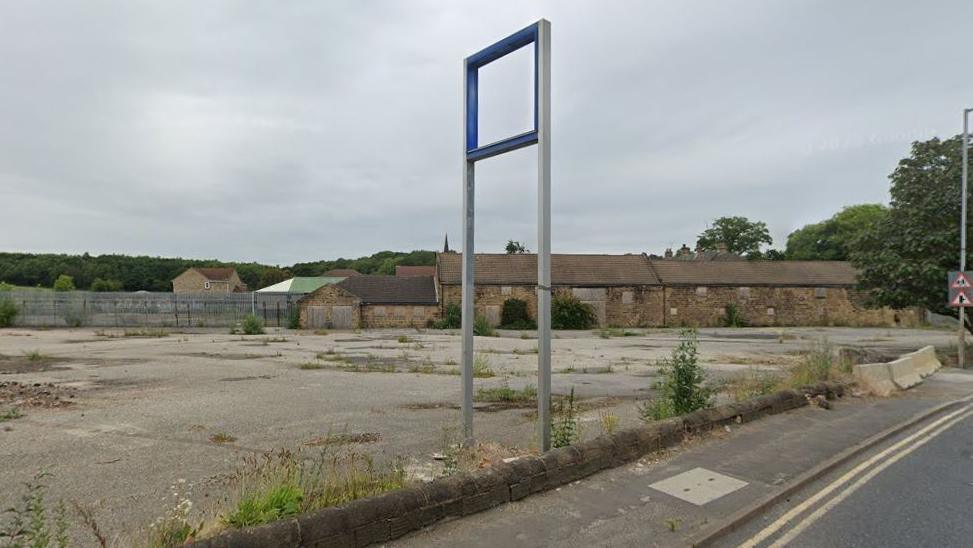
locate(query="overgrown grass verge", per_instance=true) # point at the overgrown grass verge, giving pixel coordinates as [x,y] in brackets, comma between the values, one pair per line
[505,394]
[10,414]
[285,483]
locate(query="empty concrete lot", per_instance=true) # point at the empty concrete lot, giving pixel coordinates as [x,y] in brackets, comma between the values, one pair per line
[117,416]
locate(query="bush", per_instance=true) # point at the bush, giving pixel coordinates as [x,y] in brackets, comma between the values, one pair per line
[252,325]
[567,312]
[99,284]
[294,318]
[565,428]
[4,286]
[680,390]
[8,311]
[733,317]
[514,315]
[64,283]
[453,318]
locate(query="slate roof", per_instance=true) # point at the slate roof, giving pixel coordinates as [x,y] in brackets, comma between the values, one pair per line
[756,273]
[415,290]
[573,270]
[405,271]
[221,274]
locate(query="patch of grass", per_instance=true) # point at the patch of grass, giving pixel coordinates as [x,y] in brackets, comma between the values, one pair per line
[321,332]
[369,366]
[34,356]
[528,351]
[222,437]
[403,339]
[610,332]
[154,333]
[284,484]
[751,385]
[505,394]
[608,419]
[424,368]
[11,414]
[481,367]
[482,327]
[343,438]
[817,364]
[311,365]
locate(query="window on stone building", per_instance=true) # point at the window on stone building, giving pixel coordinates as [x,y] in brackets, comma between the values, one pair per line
[628,297]
[673,311]
[417,312]
[506,290]
[398,311]
[821,293]
[743,292]
[771,311]
[701,291]
[379,310]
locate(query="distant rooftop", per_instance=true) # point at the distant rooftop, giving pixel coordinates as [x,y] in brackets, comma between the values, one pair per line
[301,284]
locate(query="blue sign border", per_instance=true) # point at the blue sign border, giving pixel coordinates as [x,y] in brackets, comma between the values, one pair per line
[510,44]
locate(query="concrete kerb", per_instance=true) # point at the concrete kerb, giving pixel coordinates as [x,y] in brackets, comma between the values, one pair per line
[391,515]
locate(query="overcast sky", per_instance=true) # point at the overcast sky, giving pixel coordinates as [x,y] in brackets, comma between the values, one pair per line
[295,131]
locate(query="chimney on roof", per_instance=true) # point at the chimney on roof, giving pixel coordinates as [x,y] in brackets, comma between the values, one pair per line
[668,253]
[683,251]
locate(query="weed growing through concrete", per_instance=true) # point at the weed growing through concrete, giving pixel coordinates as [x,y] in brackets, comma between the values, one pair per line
[311,365]
[10,414]
[609,420]
[752,384]
[251,325]
[404,339]
[173,527]
[481,367]
[32,524]
[733,317]
[34,355]
[680,389]
[565,428]
[817,364]
[505,394]
[424,368]
[222,437]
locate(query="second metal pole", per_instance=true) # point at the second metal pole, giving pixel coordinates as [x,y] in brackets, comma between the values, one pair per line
[544,233]
[961,351]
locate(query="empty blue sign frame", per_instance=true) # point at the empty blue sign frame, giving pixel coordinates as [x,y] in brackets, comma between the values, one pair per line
[510,44]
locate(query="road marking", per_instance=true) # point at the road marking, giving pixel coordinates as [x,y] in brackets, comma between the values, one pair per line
[848,476]
[826,507]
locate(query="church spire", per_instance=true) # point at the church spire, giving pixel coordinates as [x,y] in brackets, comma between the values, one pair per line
[446,245]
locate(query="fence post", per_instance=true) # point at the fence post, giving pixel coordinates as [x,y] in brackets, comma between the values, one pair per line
[277,304]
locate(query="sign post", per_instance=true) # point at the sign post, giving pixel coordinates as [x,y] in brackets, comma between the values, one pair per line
[538,34]
[965,144]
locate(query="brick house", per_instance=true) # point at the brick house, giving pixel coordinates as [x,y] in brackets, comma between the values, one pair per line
[622,289]
[371,302]
[208,280]
[767,293]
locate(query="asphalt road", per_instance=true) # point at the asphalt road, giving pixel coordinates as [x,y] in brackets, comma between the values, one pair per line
[915,490]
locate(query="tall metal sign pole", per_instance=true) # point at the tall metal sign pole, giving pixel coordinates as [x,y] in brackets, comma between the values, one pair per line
[961,351]
[538,34]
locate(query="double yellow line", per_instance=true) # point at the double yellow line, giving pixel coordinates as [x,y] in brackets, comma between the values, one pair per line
[846,487]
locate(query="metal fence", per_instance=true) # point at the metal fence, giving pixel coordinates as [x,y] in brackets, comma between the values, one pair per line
[143,309]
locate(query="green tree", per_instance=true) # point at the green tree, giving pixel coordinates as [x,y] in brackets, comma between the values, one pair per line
[514,248]
[99,284]
[830,239]
[64,283]
[903,259]
[739,234]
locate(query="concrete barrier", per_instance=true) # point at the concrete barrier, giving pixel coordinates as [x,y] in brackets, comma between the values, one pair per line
[925,360]
[882,379]
[384,517]
[903,371]
[875,378]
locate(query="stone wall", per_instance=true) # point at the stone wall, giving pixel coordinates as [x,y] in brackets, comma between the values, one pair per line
[784,306]
[317,308]
[639,306]
[398,315]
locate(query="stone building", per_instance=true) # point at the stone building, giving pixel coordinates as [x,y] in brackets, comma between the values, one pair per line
[768,293]
[371,302]
[622,289]
[208,280]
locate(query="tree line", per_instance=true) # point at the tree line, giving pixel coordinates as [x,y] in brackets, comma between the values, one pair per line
[136,273]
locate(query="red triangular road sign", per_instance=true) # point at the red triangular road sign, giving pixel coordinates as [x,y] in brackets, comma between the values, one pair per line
[961,281]
[961,299]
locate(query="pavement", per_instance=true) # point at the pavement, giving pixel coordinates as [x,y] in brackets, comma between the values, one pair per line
[670,499]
